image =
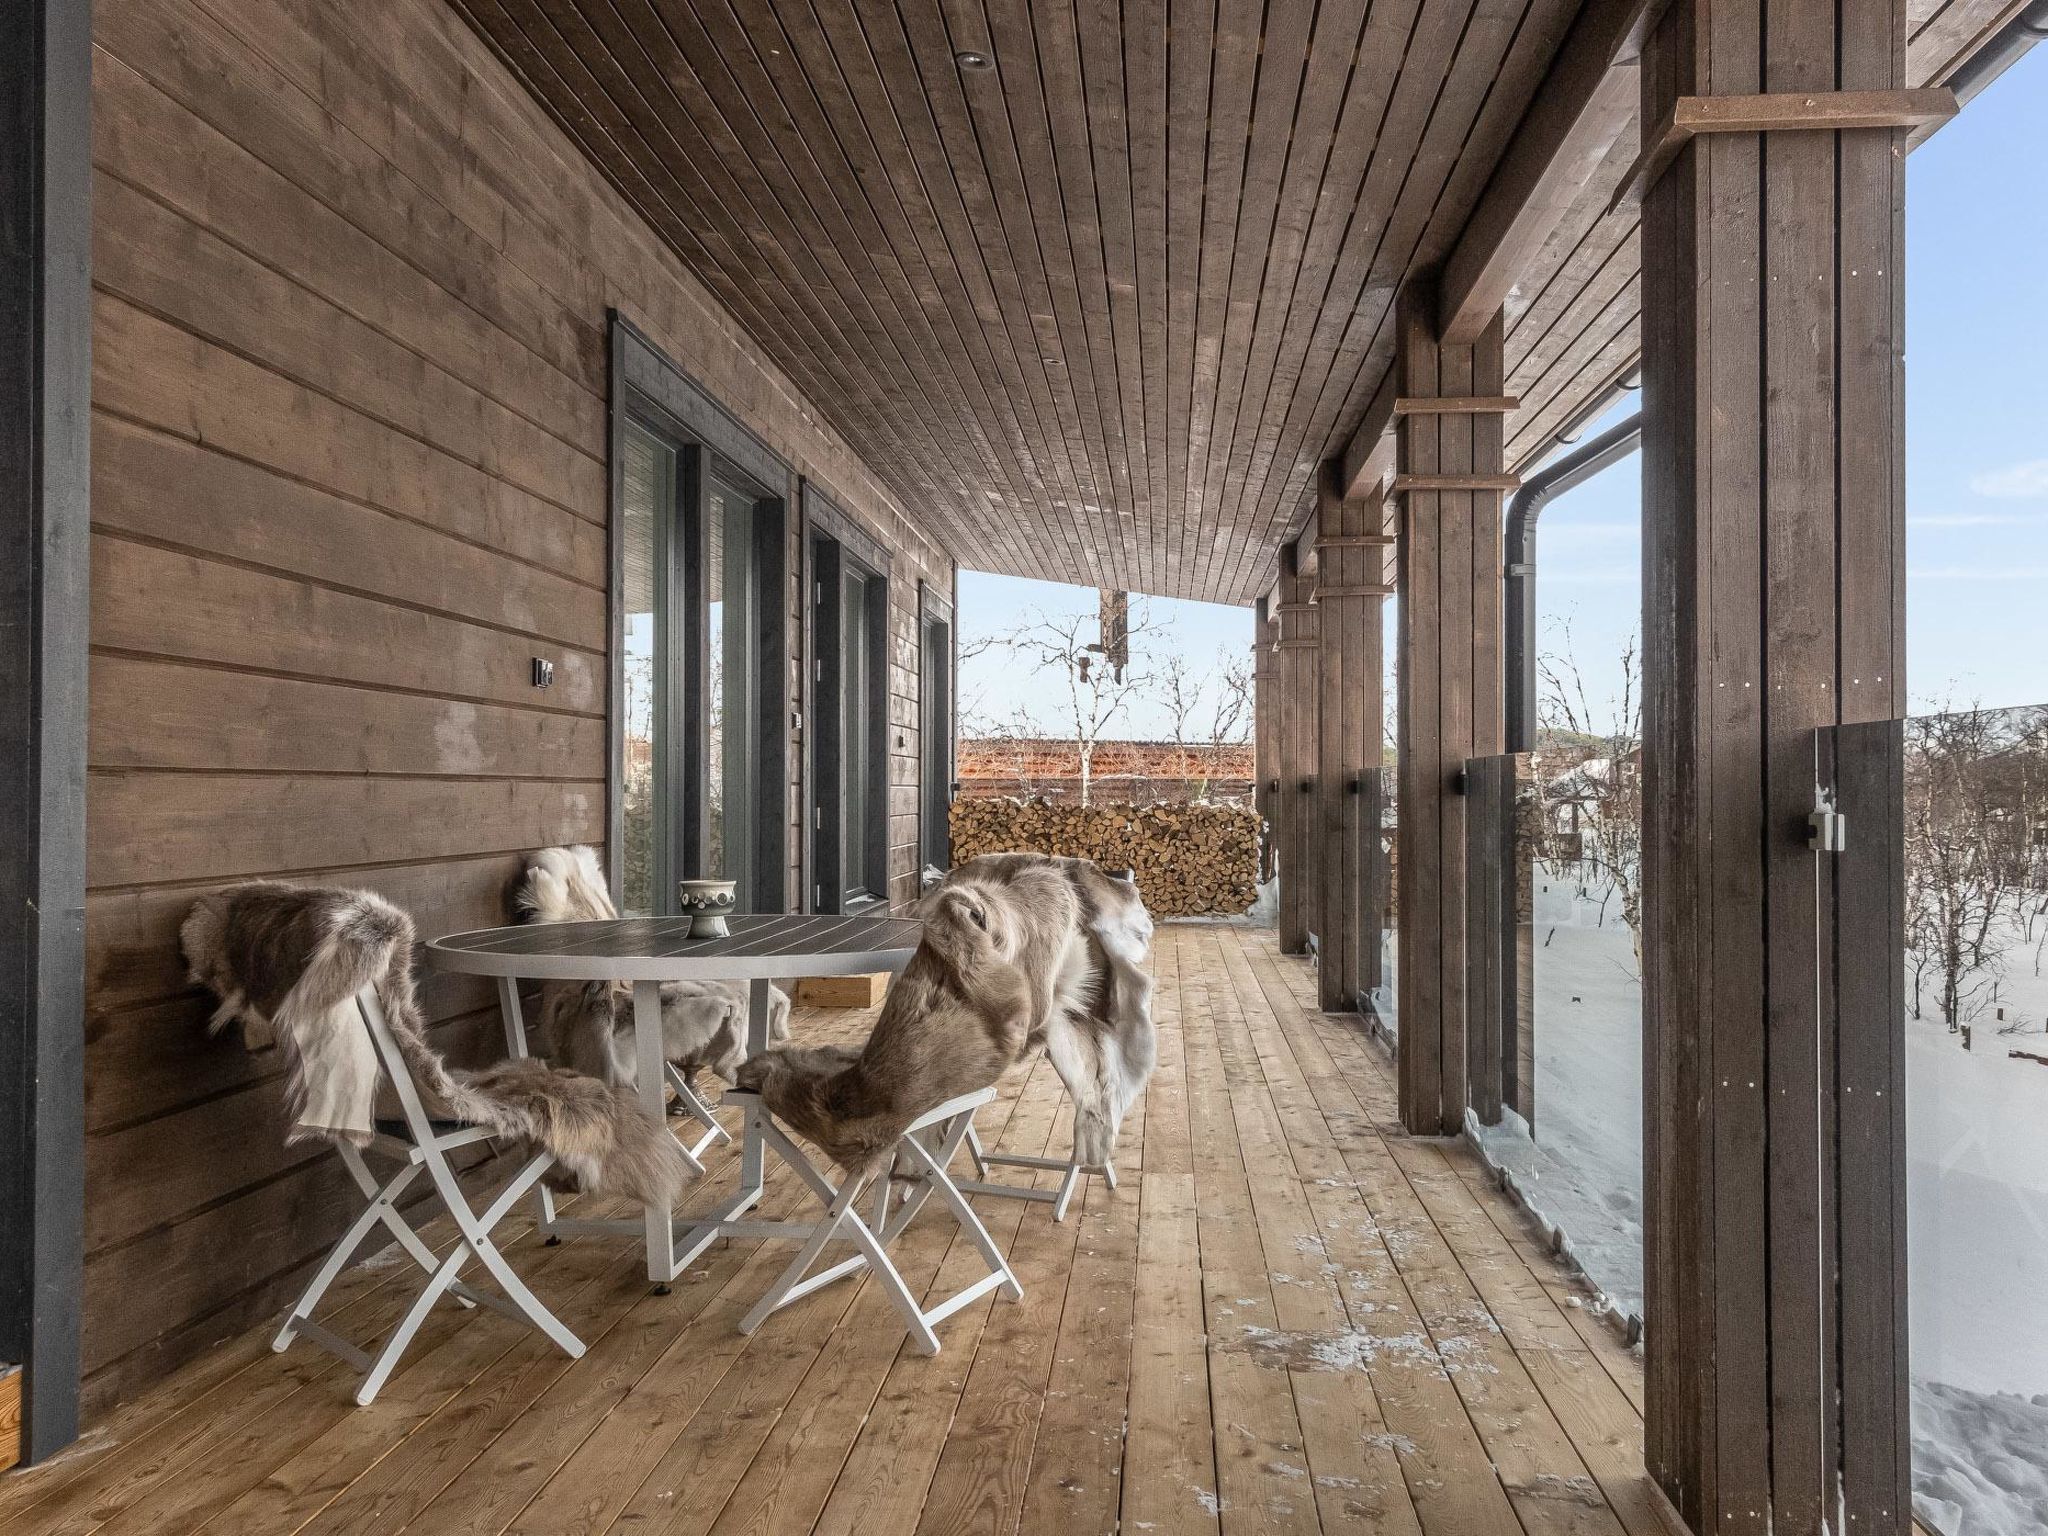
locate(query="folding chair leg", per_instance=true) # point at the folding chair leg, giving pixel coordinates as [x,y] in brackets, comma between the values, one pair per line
[344,1249]
[697,1110]
[835,1216]
[394,1347]
[899,1294]
[970,1222]
[1068,1185]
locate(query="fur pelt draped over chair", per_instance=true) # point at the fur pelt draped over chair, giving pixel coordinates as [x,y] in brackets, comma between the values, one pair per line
[589,1025]
[287,963]
[1081,939]
[953,1023]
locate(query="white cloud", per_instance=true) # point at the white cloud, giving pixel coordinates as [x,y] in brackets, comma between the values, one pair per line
[2026,479]
[1979,573]
[1969,520]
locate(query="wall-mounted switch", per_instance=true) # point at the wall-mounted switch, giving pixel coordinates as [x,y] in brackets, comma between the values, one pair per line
[543,672]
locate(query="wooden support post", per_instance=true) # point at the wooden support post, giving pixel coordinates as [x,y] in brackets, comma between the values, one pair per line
[1295,804]
[1266,731]
[45,513]
[1773,558]
[1450,690]
[1350,603]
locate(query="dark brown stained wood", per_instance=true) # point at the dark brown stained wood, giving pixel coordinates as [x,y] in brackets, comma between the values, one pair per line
[1102,307]
[351,436]
[1772,548]
[1469,405]
[1586,102]
[1450,690]
[1578,367]
[1819,110]
[1296,802]
[1266,731]
[1352,730]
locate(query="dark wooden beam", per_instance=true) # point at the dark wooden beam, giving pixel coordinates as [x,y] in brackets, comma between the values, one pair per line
[1771,112]
[1294,808]
[1450,689]
[1351,599]
[1773,565]
[45,402]
[1369,456]
[1266,730]
[1584,104]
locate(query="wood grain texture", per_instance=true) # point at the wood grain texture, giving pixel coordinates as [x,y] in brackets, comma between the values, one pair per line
[1288,1317]
[350,444]
[1102,307]
[1773,528]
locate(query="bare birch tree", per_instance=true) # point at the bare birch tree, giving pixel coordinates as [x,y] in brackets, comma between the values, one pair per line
[1601,796]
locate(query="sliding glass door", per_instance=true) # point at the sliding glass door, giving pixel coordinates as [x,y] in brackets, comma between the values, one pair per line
[694,530]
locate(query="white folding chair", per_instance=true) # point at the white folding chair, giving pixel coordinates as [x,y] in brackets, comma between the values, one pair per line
[421,1144]
[1060,1197]
[921,1156]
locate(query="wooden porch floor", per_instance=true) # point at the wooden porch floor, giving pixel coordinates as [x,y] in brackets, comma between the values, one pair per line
[1290,1318]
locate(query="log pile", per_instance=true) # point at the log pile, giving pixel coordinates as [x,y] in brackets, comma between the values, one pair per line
[1191,860]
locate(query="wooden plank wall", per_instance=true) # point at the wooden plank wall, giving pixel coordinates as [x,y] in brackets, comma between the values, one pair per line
[349,477]
[1450,693]
[1350,604]
[1773,578]
[1295,802]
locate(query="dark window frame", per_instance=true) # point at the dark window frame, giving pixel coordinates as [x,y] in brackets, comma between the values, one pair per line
[649,388]
[938,682]
[833,541]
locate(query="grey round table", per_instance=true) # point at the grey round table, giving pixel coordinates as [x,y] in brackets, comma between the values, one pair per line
[647,951]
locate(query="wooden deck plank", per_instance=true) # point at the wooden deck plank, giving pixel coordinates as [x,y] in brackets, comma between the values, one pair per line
[1289,1317]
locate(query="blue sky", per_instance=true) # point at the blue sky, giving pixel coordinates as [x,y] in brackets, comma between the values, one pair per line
[1976,430]
[1976,454]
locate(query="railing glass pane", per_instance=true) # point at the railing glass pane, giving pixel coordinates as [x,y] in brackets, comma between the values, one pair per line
[1555,976]
[1963,798]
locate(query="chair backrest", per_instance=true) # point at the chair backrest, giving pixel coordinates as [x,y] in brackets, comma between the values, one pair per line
[392,1056]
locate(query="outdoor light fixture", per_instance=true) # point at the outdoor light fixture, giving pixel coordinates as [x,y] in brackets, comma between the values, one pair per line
[967,58]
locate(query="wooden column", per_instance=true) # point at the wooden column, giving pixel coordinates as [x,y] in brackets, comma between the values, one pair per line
[45,514]
[1450,686]
[1295,803]
[1772,594]
[1351,590]
[1266,731]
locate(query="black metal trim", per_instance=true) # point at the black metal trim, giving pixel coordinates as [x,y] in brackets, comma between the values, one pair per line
[45,487]
[938,646]
[649,386]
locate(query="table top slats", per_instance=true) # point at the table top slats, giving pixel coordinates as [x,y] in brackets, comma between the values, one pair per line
[661,949]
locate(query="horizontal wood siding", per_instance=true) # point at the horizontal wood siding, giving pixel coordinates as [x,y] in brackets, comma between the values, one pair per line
[349,442]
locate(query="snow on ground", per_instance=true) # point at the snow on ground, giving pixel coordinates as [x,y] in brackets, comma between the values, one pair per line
[1977,1219]
[1582,1169]
[1977,1261]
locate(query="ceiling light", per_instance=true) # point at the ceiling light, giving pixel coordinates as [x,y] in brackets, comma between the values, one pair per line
[968,58]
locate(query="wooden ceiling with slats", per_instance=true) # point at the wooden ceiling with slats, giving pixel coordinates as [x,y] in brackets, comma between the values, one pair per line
[1096,310]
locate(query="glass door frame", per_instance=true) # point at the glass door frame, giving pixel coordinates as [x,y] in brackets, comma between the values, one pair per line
[650,394]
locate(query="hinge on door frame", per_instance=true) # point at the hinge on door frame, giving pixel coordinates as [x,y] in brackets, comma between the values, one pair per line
[1827,829]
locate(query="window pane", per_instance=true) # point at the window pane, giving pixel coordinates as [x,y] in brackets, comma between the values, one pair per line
[647,507]
[728,584]
[853,737]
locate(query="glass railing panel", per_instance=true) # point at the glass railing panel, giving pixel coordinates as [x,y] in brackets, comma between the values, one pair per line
[1554,841]
[1968,818]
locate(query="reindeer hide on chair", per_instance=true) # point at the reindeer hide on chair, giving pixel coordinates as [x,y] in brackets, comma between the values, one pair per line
[287,963]
[1082,938]
[953,1023]
[589,1025]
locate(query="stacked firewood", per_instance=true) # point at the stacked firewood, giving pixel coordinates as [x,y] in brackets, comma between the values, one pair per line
[1191,860]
